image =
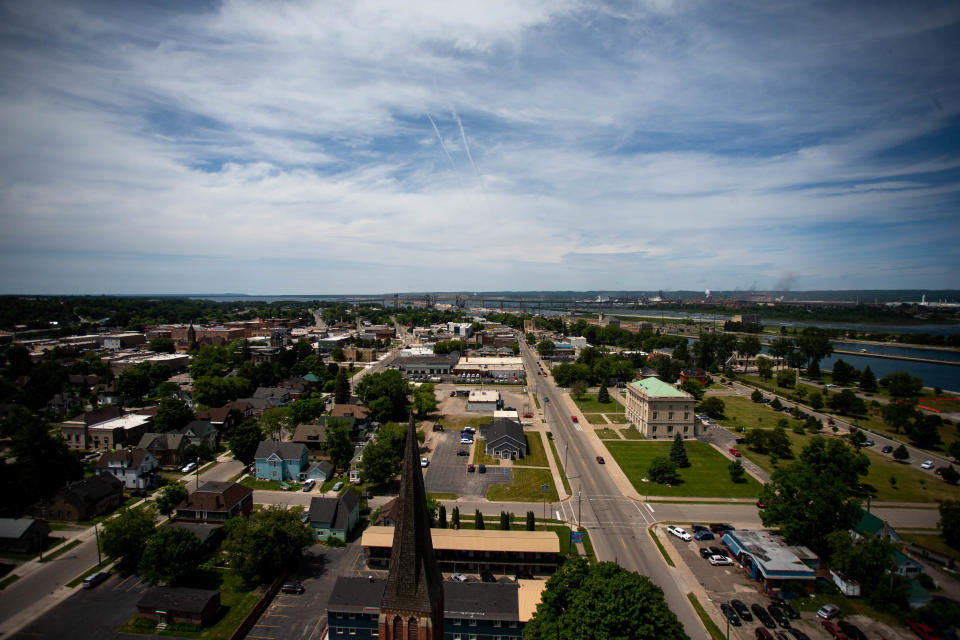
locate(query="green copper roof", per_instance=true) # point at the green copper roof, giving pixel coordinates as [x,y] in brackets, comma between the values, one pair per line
[311,377]
[660,389]
[868,524]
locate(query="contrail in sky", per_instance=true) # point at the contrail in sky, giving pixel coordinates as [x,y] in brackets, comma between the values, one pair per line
[466,146]
[443,146]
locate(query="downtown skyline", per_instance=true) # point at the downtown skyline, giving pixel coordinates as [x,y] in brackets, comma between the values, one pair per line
[350,148]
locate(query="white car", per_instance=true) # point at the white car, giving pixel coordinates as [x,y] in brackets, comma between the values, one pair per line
[718,561]
[190,467]
[927,464]
[459,577]
[424,462]
[680,533]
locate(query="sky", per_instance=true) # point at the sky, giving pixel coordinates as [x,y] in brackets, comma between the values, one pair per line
[297,147]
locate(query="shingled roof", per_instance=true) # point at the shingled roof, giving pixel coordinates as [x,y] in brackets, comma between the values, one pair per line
[414,582]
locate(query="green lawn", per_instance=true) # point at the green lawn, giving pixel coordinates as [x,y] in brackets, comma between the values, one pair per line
[589,404]
[536,456]
[536,400]
[597,418]
[706,477]
[480,454]
[459,422]
[559,463]
[631,434]
[525,488]
[740,411]
[268,485]
[607,434]
[932,541]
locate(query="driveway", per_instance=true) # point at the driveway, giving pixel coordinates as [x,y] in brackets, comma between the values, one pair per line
[448,473]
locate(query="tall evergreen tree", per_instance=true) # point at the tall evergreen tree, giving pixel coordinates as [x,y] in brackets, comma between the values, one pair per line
[531,521]
[455,518]
[505,521]
[341,389]
[604,395]
[678,451]
[442,516]
[868,381]
[478,520]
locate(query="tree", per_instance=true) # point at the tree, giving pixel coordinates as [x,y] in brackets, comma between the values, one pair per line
[274,422]
[778,442]
[834,458]
[814,343]
[843,372]
[847,403]
[764,368]
[816,400]
[385,394]
[531,521]
[925,430]
[442,517]
[244,442]
[868,381]
[954,450]
[868,561]
[266,543]
[578,389]
[737,472]
[337,354]
[545,348]
[167,389]
[601,600]
[172,494]
[505,520]
[749,346]
[813,370]
[134,383]
[757,396]
[776,404]
[900,453]
[603,395]
[478,520]
[424,399]
[170,555]
[950,475]
[902,385]
[455,518]
[678,452]
[530,337]
[787,378]
[381,458]
[713,407]
[694,388]
[898,414]
[162,345]
[123,537]
[950,522]
[780,347]
[341,388]
[173,414]
[663,470]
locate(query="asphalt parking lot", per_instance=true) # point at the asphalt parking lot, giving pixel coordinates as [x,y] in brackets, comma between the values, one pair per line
[448,473]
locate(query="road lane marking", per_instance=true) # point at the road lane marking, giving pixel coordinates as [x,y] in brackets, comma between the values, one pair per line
[647,505]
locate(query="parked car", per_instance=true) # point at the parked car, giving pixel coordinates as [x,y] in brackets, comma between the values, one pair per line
[189,467]
[852,631]
[762,634]
[463,452]
[788,608]
[695,527]
[574,418]
[763,616]
[869,443]
[481,468]
[522,574]
[705,553]
[680,533]
[797,634]
[600,460]
[453,394]
[469,430]
[833,630]
[741,610]
[887,449]
[424,462]
[292,587]
[486,576]
[721,528]
[703,535]
[465,440]
[719,561]
[828,611]
[458,577]
[470,468]
[926,464]
[308,485]
[925,631]
[730,614]
[94,579]
[528,415]
[735,452]
[338,486]
[717,551]
[779,615]
[438,427]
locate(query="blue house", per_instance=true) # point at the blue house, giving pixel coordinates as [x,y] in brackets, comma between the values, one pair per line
[281,461]
[334,516]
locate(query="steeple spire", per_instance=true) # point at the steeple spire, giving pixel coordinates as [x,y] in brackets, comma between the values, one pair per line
[412,604]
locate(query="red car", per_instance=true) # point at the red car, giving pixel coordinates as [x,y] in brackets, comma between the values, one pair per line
[600,460]
[922,630]
[833,631]
[574,418]
[735,452]
[528,415]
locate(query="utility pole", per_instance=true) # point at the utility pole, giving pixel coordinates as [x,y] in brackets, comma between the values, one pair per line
[579,506]
[96,532]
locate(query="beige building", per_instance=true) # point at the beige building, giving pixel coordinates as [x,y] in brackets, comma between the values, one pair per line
[660,410]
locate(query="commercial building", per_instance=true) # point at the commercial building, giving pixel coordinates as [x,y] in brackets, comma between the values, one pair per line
[770,560]
[497,367]
[659,410]
[483,400]
[117,432]
[504,439]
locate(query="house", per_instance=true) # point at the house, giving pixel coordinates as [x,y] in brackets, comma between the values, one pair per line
[209,534]
[180,604]
[334,516]
[22,535]
[200,433]
[74,430]
[693,374]
[216,502]
[219,417]
[136,469]
[314,438]
[504,438]
[281,461]
[84,499]
[320,471]
[167,448]
[659,410]
[279,394]
[360,413]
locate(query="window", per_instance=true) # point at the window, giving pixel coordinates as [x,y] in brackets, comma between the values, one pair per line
[654,429]
[473,623]
[686,415]
[654,415]
[685,428]
[374,632]
[352,632]
[457,622]
[513,624]
[353,616]
[497,624]
[670,416]
[669,428]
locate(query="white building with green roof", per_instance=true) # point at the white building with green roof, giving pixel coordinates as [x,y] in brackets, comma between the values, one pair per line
[660,410]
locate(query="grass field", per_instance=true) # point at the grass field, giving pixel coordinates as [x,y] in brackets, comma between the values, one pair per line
[607,434]
[536,456]
[597,418]
[590,404]
[631,434]
[706,477]
[459,422]
[932,541]
[750,415]
[480,456]
[559,463]
[525,488]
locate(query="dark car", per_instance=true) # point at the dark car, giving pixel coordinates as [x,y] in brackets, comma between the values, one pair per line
[788,608]
[453,394]
[486,576]
[438,427]
[779,615]
[730,614]
[703,535]
[717,551]
[697,527]
[705,553]
[720,527]
[292,587]
[887,449]
[95,578]
[463,452]
[523,575]
[851,630]
[481,468]
[799,635]
[833,630]
[762,634]
[763,616]
[741,610]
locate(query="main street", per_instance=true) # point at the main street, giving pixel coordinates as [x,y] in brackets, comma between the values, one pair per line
[616,524]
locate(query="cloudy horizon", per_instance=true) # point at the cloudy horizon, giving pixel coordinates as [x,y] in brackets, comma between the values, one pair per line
[283,147]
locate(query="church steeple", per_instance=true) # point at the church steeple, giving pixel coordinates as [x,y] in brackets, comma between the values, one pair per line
[412,604]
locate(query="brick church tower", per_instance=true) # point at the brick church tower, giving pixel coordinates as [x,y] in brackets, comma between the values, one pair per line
[412,604]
